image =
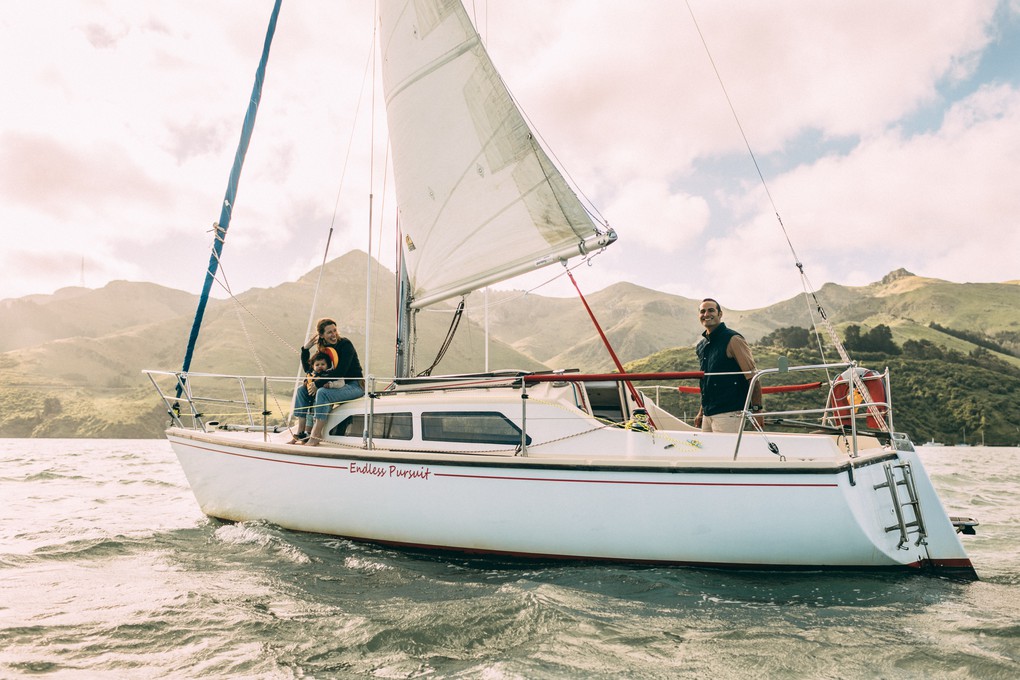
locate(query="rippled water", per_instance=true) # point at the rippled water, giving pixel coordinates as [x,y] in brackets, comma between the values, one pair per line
[108,569]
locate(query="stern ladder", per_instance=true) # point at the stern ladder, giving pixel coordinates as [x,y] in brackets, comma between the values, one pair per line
[911,502]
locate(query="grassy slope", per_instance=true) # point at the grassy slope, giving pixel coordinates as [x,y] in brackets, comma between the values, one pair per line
[108,336]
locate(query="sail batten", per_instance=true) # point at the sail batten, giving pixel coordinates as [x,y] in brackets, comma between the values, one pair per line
[478,199]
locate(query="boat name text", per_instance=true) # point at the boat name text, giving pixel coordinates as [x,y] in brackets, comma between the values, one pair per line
[390,471]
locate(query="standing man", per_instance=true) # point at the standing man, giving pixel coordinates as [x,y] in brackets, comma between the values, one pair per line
[724,351]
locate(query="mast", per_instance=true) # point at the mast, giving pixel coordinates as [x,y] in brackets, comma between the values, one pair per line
[220,228]
[404,367]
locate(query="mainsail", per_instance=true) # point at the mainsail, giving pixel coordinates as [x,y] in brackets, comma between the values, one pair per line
[478,199]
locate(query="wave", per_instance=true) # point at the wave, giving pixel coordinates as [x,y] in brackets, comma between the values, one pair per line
[262,535]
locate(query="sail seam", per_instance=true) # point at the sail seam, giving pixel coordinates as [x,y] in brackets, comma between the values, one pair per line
[460,49]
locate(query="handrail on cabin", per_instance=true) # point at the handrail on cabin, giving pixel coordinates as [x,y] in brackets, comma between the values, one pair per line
[520,379]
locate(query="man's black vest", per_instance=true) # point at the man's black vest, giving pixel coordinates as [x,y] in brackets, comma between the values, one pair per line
[720,393]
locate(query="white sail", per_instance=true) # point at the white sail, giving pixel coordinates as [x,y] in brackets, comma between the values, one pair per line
[478,199]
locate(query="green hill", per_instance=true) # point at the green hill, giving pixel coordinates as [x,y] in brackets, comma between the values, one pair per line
[82,376]
[92,384]
[83,313]
[950,397]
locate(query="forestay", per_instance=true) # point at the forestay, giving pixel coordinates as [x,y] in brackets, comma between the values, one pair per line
[478,199]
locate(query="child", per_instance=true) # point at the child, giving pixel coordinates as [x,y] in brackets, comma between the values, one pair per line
[318,365]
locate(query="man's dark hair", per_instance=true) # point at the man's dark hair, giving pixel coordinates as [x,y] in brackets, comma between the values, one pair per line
[718,307]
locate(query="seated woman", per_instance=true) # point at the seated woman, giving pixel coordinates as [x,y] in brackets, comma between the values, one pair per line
[342,382]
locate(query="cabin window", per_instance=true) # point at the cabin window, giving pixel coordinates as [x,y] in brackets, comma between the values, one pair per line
[384,426]
[476,427]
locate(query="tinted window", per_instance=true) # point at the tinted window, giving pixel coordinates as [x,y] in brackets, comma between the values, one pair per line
[384,426]
[475,428]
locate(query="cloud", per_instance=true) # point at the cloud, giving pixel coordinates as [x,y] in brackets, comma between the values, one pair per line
[631,104]
[66,182]
[942,203]
[196,138]
[879,144]
[657,217]
[635,90]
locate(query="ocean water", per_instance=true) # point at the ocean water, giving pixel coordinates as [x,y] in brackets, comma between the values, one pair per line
[109,570]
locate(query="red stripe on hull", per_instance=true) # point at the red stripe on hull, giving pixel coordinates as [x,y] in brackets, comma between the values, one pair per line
[614,481]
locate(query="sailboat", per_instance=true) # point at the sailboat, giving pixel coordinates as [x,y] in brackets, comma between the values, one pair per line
[557,464]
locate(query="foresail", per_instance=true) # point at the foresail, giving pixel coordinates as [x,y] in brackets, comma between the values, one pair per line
[478,199]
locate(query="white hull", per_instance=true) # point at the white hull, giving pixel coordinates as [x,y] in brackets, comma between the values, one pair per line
[676,509]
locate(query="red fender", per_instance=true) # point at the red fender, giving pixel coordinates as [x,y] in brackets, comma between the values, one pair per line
[842,389]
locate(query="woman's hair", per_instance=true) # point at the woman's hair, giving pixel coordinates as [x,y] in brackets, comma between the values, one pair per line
[320,326]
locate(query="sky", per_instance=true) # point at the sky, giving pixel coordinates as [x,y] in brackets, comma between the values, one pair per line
[887,133]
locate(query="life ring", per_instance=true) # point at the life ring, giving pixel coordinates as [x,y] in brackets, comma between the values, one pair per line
[845,398]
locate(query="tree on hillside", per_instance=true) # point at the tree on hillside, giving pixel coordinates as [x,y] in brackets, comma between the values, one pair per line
[878,339]
[1010,340]
[790,337]
[981,339]
[922,349]
[852,337]
[978,357]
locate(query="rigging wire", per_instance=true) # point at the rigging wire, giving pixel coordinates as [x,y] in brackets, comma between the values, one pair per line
[805,282]
[238,306]
[567,268]
[448,340]
[474,17]
[227,209]
[266,327]
[343,176]
[743,135]
[587,203]
[598,327]
[382,218]
[371,200]
[336,205]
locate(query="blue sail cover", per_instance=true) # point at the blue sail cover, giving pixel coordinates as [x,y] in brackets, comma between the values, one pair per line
[228,200]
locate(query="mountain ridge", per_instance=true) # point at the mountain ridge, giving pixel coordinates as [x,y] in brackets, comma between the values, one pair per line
[99,340]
